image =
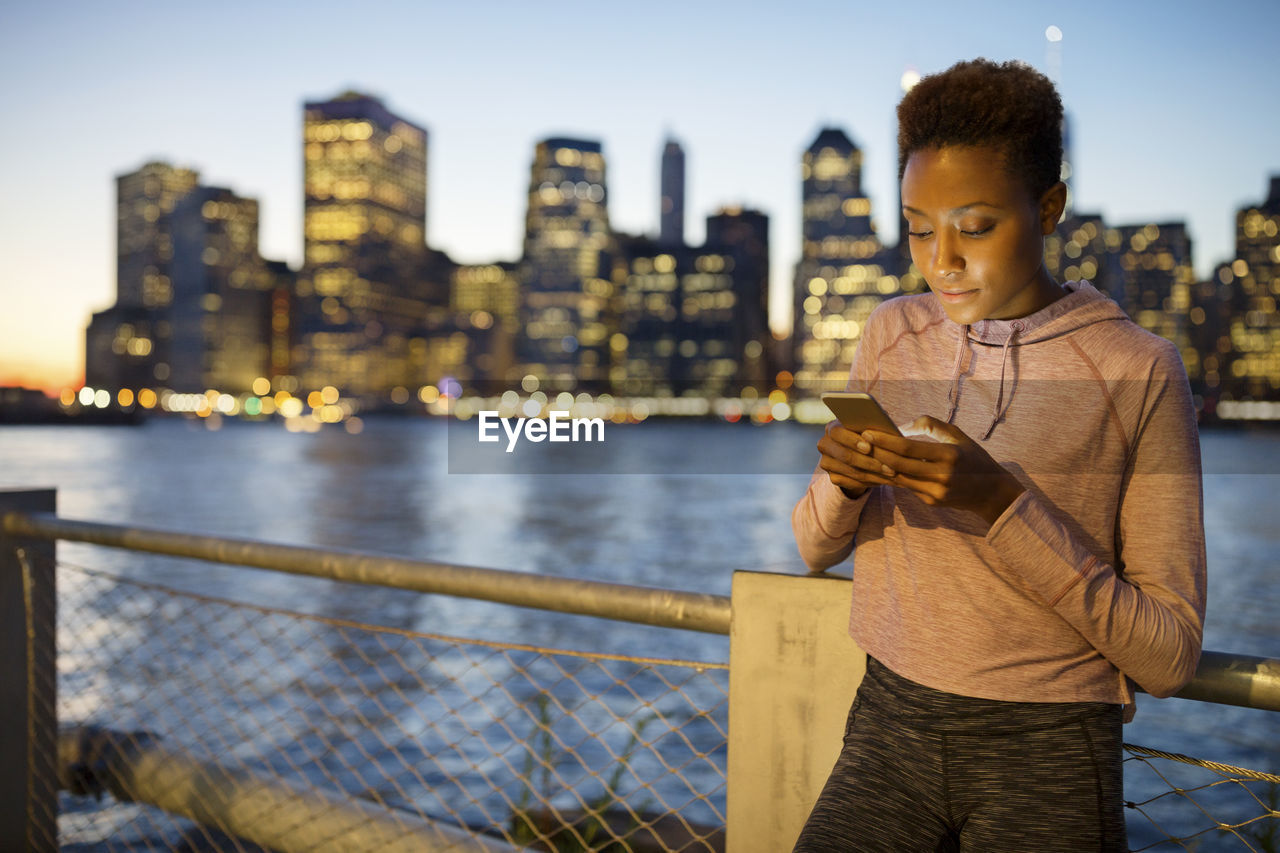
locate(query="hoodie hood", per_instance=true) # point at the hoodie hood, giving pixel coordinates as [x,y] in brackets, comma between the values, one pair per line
[1082,305]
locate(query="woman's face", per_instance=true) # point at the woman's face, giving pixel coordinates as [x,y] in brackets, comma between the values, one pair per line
[977,234]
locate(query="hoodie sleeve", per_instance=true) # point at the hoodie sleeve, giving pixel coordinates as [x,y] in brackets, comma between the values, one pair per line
[826,519]
[824,522]
[1147,615]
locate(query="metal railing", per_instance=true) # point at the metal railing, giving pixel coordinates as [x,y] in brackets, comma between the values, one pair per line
[1224,678]
[663,608]
[296,731]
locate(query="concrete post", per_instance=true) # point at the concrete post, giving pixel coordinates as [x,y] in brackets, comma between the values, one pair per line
[28,683]
[793,671]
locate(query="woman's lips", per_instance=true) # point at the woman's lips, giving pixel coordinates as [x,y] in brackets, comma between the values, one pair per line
[955,295]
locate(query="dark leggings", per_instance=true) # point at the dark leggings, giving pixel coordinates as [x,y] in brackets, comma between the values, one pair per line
[924,770]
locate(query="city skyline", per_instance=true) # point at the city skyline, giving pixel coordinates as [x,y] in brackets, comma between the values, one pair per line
[742,131]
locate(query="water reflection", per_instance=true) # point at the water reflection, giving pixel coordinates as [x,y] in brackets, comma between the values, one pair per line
[390,490]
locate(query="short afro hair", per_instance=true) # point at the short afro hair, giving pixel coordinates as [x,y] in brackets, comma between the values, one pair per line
[1010,106]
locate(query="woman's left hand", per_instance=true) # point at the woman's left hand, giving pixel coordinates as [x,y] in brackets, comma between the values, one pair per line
[951,471]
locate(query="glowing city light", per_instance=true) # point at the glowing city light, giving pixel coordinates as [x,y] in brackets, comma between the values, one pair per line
[290,408]
[603,326]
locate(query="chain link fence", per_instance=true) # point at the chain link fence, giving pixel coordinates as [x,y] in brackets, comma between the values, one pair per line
[538,748]
[196,723]
[1208,806]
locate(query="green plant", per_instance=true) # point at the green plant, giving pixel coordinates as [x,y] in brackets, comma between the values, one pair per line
[1267,831]
[539,825]
[599,808]
[539,751]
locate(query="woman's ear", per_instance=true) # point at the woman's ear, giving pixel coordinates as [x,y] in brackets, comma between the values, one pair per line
[1052,203]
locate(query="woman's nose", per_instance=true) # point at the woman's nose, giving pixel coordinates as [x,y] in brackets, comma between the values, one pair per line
[947,260]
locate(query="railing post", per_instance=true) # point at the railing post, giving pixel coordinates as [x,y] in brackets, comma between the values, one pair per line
[793,671]
[28,683]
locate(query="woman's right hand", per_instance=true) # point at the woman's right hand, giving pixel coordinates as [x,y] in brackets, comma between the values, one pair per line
[847,459]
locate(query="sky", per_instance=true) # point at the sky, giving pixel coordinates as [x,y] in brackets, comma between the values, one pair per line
[1173,108]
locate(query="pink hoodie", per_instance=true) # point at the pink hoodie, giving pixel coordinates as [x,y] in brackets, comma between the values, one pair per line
[1095,573]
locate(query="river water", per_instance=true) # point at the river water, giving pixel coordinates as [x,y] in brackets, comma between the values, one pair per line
[390,489]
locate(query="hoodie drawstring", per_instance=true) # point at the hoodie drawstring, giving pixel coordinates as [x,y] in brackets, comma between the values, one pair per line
[1004,358]
[953,393]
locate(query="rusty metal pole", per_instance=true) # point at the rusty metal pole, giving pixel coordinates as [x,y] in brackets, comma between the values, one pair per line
[254,806]
[28,683]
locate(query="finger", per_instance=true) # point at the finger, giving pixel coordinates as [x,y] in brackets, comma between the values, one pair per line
[851,475]
[841,442]
[843,435]
[928,491]
[859,457]
[906,447]
[938,430]
[931,470]
[859,483]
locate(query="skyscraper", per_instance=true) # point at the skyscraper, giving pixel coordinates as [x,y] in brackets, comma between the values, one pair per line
[195,304]
[644,349]
[743,236]
[485,303]
[1156,275]
[144,248]
[221,310]
[707,357]
[128,345]
[566,299]
[1235,319]
[364,291]
[843,273]
[1084,248]
[678,321]
[284,289]
[1258,242]
[671,220]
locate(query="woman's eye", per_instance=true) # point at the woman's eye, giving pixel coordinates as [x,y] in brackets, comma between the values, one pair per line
[919,235]
[976,232]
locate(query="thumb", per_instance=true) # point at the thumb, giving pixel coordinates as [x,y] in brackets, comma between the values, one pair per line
[938,430]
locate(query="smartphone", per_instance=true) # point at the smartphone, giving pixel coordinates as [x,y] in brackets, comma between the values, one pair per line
[859,411]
